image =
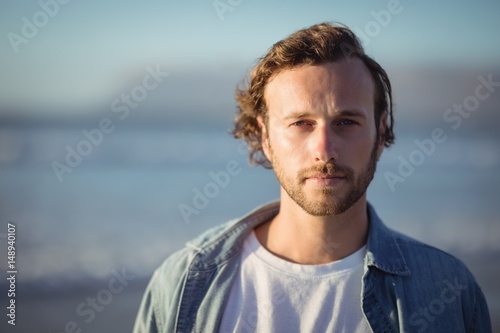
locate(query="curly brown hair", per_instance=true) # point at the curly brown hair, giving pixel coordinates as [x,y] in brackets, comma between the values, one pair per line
[318,44]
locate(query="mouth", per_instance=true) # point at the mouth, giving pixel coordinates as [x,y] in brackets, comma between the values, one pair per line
[325,179]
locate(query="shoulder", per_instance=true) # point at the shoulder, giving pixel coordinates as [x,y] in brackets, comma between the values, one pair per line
[439,281]
[423,258]
[423,281]
[437,276]
[179,262]
[162,297]
[215,245]
[399,254]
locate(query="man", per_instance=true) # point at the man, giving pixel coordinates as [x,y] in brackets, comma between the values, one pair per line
[318,111]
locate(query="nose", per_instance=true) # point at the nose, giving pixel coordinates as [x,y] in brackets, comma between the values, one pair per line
[324,144]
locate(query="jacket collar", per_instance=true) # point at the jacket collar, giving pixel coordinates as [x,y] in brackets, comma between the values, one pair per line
[220,244]
[382,250]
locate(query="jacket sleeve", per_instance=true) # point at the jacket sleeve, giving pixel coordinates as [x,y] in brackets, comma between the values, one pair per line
[158,312]
[146,320]
[481,322]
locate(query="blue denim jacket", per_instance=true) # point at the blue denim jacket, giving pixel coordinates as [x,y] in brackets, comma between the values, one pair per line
[408,286]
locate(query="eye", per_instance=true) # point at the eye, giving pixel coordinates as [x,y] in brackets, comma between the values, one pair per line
[301,123]
[346,122]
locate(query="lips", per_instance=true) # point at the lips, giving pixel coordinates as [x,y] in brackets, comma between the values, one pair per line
[325,179]
[325,176]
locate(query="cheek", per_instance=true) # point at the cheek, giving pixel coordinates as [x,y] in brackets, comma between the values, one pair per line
[355,150]
[286,145]
[287,154]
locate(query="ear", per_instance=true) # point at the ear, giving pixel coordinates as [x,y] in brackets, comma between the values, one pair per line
[264,138]
[382,127]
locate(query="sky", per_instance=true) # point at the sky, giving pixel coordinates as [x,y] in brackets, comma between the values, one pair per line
[86,53]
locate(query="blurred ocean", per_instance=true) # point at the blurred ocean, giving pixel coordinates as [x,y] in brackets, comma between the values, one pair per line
[119,210]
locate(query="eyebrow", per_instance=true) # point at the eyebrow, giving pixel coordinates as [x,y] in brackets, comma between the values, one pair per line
[338,113]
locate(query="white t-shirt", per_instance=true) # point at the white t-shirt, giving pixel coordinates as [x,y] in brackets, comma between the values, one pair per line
[271,294]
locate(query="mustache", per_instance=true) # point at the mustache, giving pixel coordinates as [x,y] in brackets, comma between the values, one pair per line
[327,169]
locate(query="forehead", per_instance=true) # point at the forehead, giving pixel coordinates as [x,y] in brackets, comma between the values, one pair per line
[343,84]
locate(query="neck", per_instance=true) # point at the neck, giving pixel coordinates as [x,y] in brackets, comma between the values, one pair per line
[296,236]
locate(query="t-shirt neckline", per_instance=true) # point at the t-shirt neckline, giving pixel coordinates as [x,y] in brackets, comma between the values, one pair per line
[342,266]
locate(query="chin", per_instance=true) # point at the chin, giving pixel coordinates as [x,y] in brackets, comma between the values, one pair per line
[325,207]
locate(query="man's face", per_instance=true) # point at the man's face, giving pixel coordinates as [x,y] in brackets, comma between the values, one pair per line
[321,137]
